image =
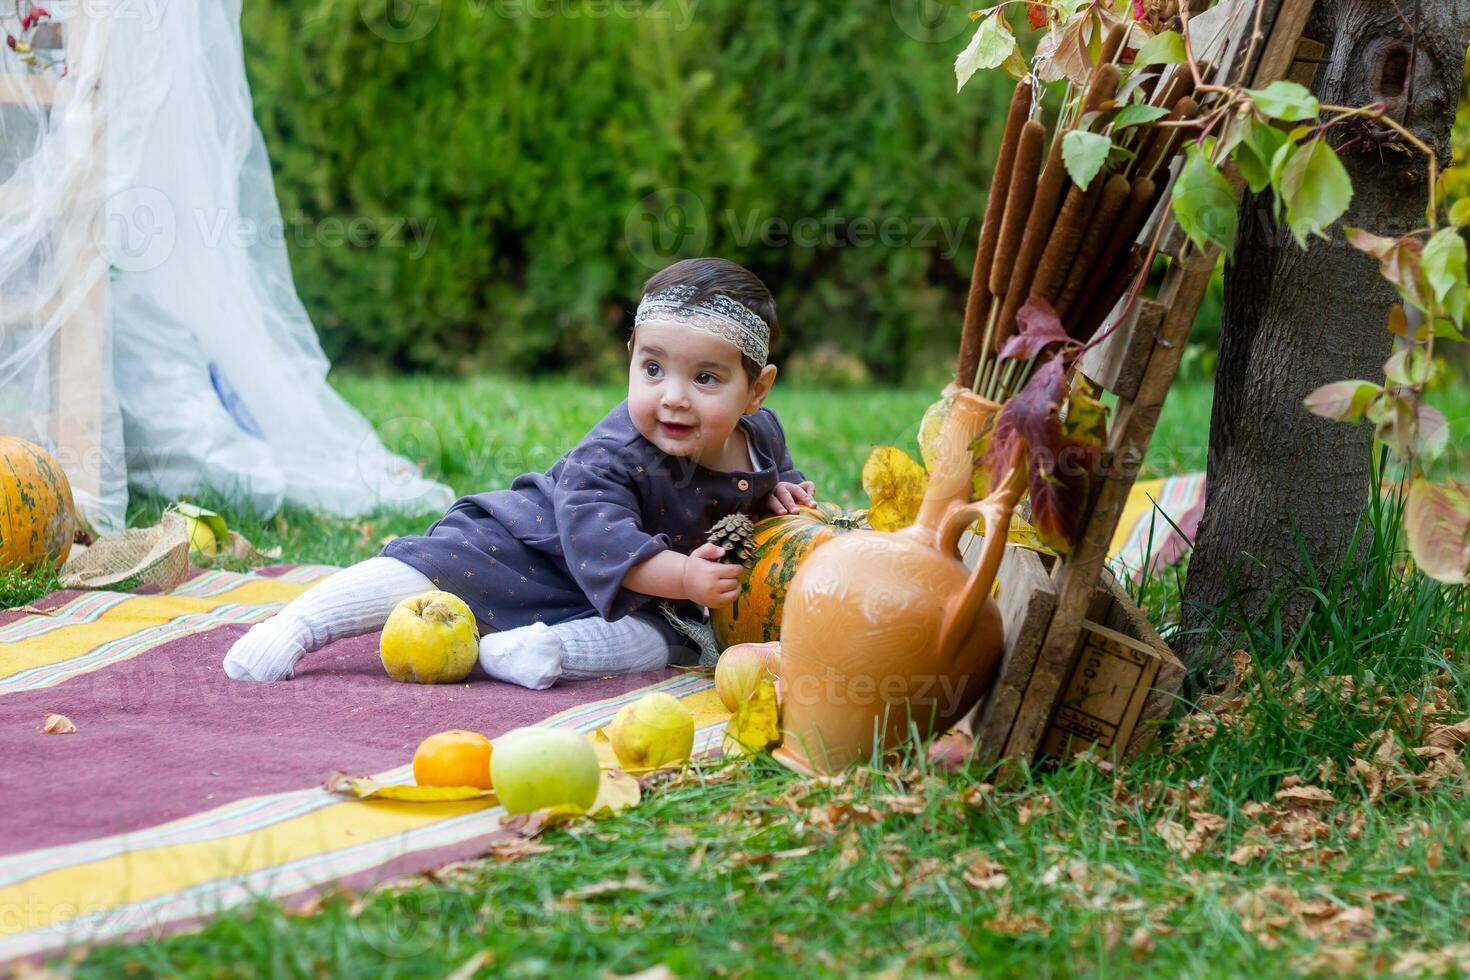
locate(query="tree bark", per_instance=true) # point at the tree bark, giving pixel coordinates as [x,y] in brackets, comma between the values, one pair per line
[1281,481]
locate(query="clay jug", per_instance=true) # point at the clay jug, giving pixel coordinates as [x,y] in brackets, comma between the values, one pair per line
[882,629]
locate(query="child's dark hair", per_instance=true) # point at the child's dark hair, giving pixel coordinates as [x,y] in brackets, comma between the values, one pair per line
[721,276]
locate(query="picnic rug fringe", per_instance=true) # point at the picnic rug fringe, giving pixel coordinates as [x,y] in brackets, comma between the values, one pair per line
[182,793]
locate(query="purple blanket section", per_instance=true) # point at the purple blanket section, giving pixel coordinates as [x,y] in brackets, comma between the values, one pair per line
[166,734]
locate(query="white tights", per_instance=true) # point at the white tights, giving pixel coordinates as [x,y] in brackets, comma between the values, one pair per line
[358,600]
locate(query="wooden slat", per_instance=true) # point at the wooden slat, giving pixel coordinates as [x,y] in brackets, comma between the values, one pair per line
[18,89]
[1026,598]
[1117,363]
[1077,576]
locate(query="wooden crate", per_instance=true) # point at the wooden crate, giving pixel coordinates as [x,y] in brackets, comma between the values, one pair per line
[1047,610]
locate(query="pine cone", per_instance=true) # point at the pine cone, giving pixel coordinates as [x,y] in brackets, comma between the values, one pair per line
[736,534]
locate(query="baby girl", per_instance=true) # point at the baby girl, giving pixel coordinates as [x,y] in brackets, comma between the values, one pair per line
[564,569]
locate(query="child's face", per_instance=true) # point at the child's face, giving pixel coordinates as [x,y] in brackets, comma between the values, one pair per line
[687,389]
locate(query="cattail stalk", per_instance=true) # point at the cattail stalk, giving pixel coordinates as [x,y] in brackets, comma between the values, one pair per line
[979,301]
[1090,252]
[1130,222]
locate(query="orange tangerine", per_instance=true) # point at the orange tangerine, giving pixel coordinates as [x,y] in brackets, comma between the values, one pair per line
[453,758]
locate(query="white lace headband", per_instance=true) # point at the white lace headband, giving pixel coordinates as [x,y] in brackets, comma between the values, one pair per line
[719,315]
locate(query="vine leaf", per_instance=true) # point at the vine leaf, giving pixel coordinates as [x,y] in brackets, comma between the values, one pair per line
[1137,114]
[1444,267]
[1316,189]
[1394,419]
[1287,101]
[1257,147]
[1084,154]
[1203,203]
[1166,48]
[1343,401]
[1399,261]
[1437,525]
[1431,431]
[1410,366]
[1460,212]
[992,44]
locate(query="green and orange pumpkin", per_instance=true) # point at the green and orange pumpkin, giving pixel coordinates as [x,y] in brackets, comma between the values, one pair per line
[781,542]
[36,519]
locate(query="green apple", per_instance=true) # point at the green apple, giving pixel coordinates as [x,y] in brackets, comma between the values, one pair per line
[534,768]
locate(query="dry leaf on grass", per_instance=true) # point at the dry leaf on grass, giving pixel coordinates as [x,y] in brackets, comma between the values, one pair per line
[471,966]
[1014,924]
[984,873]
[606,888]
[56,725]
[1304,795]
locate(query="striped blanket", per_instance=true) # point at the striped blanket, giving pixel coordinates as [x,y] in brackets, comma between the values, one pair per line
[183,793]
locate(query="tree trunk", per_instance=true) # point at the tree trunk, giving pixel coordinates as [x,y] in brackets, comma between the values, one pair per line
[1295,319]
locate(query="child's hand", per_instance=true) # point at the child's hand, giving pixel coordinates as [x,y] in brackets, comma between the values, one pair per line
[786,496]
[709,581]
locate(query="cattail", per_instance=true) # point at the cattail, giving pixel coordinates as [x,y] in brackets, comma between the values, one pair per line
[1033,241]
[1113,288]
[1112,44]
[1130,222]
[1161,150]
[978,303]
[1104,86]
[1090,253]
[1061,248]
[1018,205]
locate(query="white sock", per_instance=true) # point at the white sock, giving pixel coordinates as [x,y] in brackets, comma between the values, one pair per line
[355,600]
[598,648]
[530,656]
[536,656]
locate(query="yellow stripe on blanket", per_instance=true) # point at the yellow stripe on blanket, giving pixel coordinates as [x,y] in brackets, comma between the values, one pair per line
[330,840]
[1139,505]
[168,616]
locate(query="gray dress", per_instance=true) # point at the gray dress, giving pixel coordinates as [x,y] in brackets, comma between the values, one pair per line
[556,545]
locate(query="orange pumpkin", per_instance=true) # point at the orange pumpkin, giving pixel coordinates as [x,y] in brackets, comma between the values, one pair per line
[781,542]
[36,520]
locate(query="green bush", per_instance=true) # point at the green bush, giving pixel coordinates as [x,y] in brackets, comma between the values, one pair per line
[506,181]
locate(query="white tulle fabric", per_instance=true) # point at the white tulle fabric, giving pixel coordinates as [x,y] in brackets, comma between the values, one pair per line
[144,191]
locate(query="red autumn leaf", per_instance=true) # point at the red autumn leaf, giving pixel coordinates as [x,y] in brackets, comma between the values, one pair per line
[1036,16]
[1059,495]
[1032,415]
[1040,327]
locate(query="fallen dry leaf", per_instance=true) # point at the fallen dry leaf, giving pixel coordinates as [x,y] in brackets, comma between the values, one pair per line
[514,848]
[574,895]
[1014,925]
[984,873]
[57,725]
[471,966]
[1305,795]
[1140,943]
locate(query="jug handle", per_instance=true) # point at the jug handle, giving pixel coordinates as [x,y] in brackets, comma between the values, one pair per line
[996,510]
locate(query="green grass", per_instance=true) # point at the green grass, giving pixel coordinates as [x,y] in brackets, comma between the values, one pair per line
[764,873]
